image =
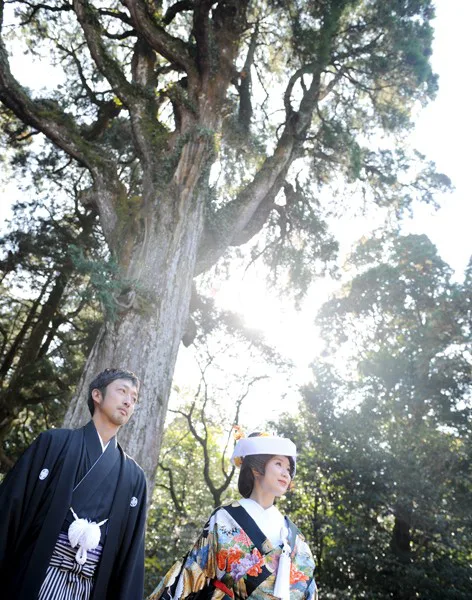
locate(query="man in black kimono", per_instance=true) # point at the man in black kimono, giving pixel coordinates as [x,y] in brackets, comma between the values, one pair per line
[73,508]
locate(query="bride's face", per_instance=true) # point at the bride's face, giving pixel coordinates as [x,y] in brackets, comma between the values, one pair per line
[276,479]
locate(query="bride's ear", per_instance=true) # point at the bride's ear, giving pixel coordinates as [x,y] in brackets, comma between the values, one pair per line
[256,474]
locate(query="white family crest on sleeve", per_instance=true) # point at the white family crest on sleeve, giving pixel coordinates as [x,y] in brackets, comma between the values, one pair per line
[44,473]
[134,502]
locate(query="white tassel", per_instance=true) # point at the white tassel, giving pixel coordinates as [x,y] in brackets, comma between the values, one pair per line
[81,556]
[85,534]
[282,582]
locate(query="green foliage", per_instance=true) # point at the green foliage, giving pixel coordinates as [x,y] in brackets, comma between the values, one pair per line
[103,277]
[295,245]
[182,503]
[384,481]
[49,318]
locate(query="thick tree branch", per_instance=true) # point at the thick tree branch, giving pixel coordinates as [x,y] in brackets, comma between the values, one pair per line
[115,14]
[201,32]
[327,89]
[171,48]
[149,134]
[245,87]
[305,70]
[260,215]
[233,218]
[107,111]
[240,219]
[46,116]
[139,98]
[175,9]
[244,216]
[142,66]
[108,67]
[124,35]
[228,24]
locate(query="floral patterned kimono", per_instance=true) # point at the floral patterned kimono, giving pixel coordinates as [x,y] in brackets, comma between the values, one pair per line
[232,558]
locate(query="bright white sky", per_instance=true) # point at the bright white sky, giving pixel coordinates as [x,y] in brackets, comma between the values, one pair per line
[443,134]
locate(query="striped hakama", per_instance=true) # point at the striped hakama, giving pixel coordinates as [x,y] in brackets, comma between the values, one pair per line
[65,578]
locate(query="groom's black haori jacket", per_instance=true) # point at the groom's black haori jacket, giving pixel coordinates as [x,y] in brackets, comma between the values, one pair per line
[35,501]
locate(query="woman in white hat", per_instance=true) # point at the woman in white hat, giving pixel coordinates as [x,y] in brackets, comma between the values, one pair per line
[248,549]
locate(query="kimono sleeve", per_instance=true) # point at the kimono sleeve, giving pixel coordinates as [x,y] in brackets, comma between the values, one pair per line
[311,591]
[130,574]
[197,569]
[303,569]
[15,492]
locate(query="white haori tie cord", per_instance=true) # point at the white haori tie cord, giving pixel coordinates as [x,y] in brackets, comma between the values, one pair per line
[85,534]
[282,582]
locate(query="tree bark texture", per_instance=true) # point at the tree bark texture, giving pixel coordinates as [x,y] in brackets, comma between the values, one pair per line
[145,334]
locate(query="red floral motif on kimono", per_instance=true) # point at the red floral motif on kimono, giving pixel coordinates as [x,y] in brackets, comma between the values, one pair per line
[225,558]
[243,538]
[296,575]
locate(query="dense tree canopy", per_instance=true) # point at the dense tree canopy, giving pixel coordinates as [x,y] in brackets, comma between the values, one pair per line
[49,317]
[194,127]
[386,433]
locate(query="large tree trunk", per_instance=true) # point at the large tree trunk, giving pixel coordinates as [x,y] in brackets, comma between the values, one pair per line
[145,334]
[155,238]
[400,542]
